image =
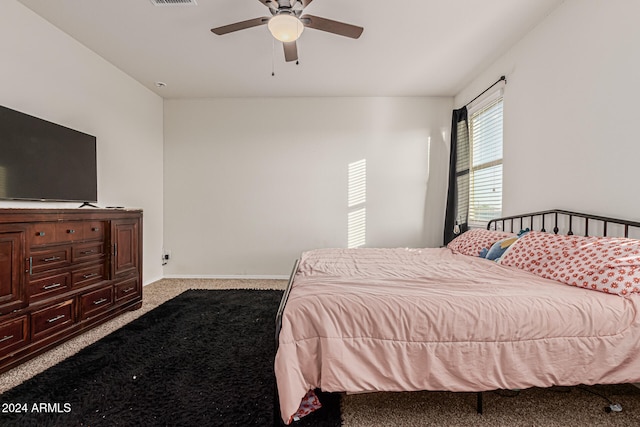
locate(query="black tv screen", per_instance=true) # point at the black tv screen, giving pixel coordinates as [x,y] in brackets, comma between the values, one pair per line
[40,160]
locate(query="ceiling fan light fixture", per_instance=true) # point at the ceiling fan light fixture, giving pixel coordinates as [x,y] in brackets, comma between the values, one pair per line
[285,27]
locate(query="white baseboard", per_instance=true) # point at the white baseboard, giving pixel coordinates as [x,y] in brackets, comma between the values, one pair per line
[231,276]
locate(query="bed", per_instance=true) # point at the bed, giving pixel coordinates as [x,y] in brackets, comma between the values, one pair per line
[553,308]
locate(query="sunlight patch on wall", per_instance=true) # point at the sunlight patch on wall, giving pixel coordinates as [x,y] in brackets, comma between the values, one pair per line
[357,183]
[357,198]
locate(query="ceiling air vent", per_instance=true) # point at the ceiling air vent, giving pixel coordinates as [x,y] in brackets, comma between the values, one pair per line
[174,2]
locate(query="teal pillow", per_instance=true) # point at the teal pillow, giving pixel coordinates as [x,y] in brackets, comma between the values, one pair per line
[500,247]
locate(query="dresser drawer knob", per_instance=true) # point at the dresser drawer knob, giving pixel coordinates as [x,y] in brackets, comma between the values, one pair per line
[87,252]
[40,233]
[90,275]
[95,229]
[71,231]
[6,338]
[51,286]
[100,301]
[55,319]
[126,291]
[53,258]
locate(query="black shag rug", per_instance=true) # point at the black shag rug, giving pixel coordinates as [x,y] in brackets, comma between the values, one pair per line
[204,358]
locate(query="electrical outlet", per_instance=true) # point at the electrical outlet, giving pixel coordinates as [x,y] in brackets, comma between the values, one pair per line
[166,256]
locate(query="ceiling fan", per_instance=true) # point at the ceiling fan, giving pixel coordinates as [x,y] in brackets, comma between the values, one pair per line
[287,22]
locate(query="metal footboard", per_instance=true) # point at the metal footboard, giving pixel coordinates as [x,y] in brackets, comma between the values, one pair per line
[277,422]
[283,301]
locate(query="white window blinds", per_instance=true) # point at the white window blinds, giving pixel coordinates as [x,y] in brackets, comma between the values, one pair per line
[462,173]
[485,181]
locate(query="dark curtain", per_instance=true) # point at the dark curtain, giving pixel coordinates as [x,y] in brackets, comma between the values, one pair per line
[455,221]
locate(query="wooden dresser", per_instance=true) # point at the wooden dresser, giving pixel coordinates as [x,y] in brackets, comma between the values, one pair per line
[63,271]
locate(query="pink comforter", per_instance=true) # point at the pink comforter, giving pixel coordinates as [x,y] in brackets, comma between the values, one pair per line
[361,320]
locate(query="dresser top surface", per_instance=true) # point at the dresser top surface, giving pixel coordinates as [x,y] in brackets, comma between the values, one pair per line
[12,215]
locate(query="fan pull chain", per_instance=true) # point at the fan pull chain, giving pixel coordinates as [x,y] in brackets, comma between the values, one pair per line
[298,24]
[273,54]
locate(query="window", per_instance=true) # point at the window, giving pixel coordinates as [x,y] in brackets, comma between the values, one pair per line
[485,180]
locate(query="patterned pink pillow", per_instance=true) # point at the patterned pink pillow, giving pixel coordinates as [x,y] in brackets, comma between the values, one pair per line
[471,242]
[309,404]
[605,264]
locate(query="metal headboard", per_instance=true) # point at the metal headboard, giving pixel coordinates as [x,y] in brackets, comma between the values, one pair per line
[563,220]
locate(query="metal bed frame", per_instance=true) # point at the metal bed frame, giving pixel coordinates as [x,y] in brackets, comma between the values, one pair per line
[557,216]
[560,219]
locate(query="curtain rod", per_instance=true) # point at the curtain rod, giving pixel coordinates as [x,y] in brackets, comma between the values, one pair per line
[485,91]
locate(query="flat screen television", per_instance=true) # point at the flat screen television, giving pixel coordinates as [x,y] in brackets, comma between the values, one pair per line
[40,160]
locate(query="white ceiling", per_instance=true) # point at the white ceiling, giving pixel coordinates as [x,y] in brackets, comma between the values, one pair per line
[408,48]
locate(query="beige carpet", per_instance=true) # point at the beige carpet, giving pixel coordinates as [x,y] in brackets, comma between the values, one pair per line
[535,407]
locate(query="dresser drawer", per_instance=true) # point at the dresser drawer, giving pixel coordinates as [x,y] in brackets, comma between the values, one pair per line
[88,275]
[96,302]
[127,289]
[69,231]
[42,233]
[93,230]
[51,319]
[49,286]
[87,251]
[50,259]
[14,334]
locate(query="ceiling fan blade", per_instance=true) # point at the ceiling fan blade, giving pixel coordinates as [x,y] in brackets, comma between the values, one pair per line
[290,51]
[330,26]
[271,4]
[277,4]
[303,3]
[225,29]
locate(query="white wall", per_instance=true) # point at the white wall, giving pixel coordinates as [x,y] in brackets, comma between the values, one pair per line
[47,74]
[571,111]
[251,183]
